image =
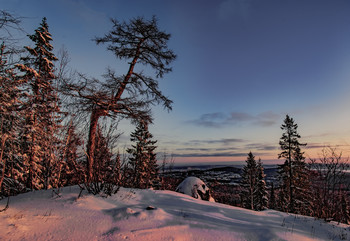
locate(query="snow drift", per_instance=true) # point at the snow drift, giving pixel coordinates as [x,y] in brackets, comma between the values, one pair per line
[195,187]
[40,215]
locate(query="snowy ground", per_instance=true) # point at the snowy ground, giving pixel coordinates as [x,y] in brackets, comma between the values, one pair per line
[39,216]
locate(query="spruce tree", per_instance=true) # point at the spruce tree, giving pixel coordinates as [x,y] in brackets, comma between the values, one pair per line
[261,194]
[43,114]
[142,158]
[11,166]
[293,173]
[248,182]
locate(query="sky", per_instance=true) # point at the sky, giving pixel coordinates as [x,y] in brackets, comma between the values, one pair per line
[241,66]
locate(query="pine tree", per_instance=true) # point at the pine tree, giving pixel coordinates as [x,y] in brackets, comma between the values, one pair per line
[293,173]
[261,194]
[142,158]
[248,182]
[42,110]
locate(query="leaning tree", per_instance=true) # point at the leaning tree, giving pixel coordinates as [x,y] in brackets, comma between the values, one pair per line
[142,45]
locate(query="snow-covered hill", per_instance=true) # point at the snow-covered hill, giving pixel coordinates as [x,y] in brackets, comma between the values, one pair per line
[125,216]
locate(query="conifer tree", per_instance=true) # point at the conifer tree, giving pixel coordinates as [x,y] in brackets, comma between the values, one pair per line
[102,155]
[72,171]
[249,182]
[42,119]
[344,214]
[293,173]
[139,42]
[11,167]
[261,194]
[272,199]
[142,158]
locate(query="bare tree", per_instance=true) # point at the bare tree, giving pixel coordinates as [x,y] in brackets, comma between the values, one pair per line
[10,24]
[330,184]
[130,96]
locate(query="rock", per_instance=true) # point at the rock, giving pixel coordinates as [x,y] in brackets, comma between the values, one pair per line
[195,187]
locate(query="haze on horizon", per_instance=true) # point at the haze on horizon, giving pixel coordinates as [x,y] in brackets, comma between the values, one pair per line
[242,66]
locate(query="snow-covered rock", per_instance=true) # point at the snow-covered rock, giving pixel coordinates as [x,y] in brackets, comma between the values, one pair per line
[195,187]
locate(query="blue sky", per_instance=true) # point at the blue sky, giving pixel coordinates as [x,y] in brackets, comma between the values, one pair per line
[242,66]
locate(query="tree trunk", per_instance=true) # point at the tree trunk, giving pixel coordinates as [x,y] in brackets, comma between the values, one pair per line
[2,161]
[291,198]
[95,115]
[130,72]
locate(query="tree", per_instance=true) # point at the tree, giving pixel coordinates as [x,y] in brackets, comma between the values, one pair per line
[293,173]
[330,185]
[11,168]
[141,43]
[106,176]
[248,182]
[72,172]
[272,199]
[142,158]
[42,120]
[8,23]
[261,195]
[344,214]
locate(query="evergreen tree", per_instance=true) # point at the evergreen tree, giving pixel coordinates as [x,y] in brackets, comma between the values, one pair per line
[72,171]
[261,194]
[272,199]
[142,158]
[42,119]
[249,182]
[102,155]
[11,167]
[293,173]
[344,214]
[106,177]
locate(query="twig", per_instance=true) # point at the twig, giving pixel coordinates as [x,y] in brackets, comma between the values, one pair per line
[7,205]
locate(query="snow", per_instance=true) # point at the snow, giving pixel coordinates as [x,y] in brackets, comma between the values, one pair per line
[195,187]
[40,215]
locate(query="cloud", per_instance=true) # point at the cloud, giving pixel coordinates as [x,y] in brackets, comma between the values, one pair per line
[224,141]
[325,146]
[220,119]
[210,120]
[218,154]
[262,147]
[240,117]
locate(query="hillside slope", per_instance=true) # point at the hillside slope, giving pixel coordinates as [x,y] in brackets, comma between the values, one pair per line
[39,216]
